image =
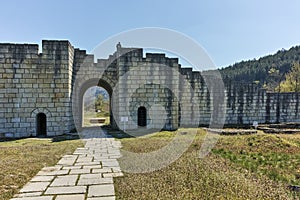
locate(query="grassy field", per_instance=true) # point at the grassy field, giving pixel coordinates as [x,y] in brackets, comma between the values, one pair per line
[277,156]
[257,166]
[21,159]
[239,167]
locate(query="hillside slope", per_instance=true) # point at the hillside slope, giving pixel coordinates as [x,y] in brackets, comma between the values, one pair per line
[260,71]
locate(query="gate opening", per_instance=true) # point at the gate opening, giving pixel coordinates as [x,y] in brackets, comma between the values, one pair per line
[96,107]
[142,116]
[41,125]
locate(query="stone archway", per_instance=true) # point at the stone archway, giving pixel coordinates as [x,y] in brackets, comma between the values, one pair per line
[84,87]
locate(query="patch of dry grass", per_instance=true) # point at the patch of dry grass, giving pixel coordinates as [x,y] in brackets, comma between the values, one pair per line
[277,156]
[20,160]
[213,177]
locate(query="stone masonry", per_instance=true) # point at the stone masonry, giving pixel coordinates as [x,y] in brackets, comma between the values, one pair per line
[42,92]
[86,174]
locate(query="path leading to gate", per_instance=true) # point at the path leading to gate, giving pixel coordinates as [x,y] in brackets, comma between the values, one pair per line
[87,174]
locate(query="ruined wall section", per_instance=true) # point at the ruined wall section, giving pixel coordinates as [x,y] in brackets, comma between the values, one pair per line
[190,97]
[244,103]
[207,97]
[282,107]
[247,103]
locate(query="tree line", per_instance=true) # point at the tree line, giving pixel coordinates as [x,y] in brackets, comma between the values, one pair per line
[275,73]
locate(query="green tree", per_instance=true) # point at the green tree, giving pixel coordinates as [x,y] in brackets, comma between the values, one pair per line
[88,104]
[99,103]
[273,79]
[292,80]
[268,70]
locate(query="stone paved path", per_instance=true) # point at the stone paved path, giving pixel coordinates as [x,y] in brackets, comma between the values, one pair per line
[87,174]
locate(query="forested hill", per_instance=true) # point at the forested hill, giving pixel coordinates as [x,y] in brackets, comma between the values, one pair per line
[267,71]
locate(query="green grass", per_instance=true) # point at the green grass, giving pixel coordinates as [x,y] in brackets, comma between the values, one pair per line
[21,159]
[277,156]
[239,167]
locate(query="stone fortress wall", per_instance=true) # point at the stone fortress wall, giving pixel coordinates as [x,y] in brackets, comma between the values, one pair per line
[38,90]
[32,83]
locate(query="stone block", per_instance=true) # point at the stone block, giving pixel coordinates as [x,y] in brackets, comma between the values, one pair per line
[71,197]
[68,160]
[53,173]
[66,190]
[42,179]
[35,187]
[101,190]
[29,194]
[93,179]
[35,198]
[80,171]
[67,180]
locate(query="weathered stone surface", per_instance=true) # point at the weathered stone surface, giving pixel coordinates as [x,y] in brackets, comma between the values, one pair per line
[84,159]
[116,174]
[67,180]
[80,171]
[50,169]
[66,190]
[92,167]
[102,198]
[103,170]
[68,160]
[110,163]
[34,187]
[101,190]
[71,197]
[29,194]
[42,179]
[35,198]
[88,163]
[94,179]
[72,167]
[53,173]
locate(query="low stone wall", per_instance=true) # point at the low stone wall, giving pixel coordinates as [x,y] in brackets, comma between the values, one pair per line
[232,131]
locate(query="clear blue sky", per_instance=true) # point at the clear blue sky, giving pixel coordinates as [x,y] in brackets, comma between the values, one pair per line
[229,30]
